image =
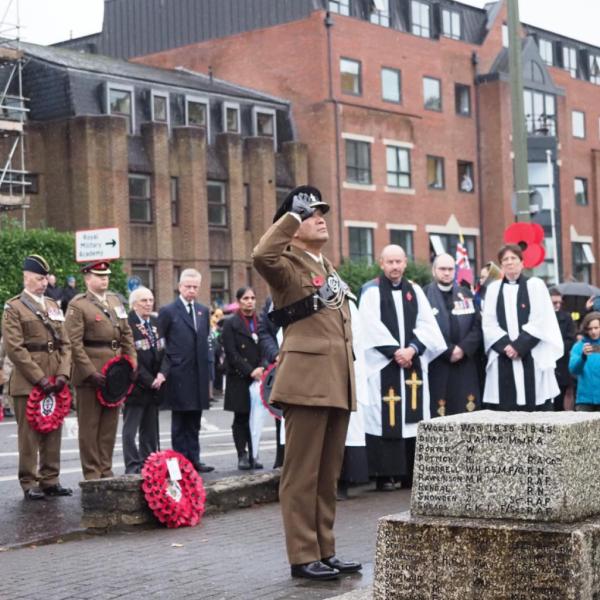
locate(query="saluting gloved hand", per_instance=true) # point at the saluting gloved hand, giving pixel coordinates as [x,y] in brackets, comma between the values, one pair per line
[46,386]
[60,383]
[97,379]
[301,206]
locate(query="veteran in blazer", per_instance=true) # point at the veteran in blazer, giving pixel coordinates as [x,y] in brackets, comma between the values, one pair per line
[315,378]
[36,342]
[98,329]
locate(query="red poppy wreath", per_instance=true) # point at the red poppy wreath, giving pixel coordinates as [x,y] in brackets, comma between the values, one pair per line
[175,495]
[46,412]
[118,372]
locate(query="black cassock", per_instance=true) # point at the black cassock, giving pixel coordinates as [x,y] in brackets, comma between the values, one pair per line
[455,387]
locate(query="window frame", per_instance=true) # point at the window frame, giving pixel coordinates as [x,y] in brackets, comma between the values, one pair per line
[197,100]
[544,118]
[548,44]
[256,110]
[575,113]
[236,107]
[594,58]
[369,256]
[357,167]
[118,87]
[471,168]
[149,281]
[409,248]
[398,73]
[450,34]
[148,200]
[215,183]
[585,192]
[579,262]
[358,75]
[568,64]
[165,95]
[226,288]
[175,204]
[441,103]
[398,174]
[462,87]
[378,16]
[417,28]
[339,7]
[443,172]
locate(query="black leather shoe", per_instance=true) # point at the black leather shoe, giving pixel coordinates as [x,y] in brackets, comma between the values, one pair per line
[315,570]
[34,494]
[244,463]
[343,566]
[384,484]
[57,490]
[202,468]
[257,465]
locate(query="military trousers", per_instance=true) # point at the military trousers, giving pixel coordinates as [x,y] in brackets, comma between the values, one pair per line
[97,434]
[39,453]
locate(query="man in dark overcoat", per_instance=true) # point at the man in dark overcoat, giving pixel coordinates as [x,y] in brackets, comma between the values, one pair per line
[185,327]
[315,378]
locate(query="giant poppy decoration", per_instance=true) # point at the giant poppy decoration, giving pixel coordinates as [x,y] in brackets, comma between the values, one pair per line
[173,489]
[530,238]
[46,412]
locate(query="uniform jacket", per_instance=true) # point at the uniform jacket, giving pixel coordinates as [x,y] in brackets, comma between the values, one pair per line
[89,321]
[21,326]
[188,373]
[151,360]
[587,370]
[242,356]
[316,360]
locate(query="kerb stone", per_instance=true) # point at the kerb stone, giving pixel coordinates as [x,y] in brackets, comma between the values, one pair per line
[508,465]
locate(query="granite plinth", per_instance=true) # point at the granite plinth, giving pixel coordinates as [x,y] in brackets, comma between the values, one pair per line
[513,465]
[438,558]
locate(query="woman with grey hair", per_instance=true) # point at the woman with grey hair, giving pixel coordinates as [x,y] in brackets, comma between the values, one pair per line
[141,407]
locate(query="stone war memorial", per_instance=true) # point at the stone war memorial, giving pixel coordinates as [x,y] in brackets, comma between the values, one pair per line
[505,506]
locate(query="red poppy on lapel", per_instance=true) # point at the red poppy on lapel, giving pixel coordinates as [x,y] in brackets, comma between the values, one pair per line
[199,313]
[98,318]
[409,296]
[318,280]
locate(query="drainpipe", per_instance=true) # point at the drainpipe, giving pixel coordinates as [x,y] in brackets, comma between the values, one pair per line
[328,22]
[475,63]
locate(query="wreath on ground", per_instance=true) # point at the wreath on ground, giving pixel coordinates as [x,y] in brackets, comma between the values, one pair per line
[173,489]
[46,412]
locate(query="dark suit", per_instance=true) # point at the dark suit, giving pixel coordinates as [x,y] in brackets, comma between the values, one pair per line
[186,391]
[141,407]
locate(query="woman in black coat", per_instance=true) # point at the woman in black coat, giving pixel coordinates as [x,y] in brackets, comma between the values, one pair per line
[141,407]
[243,367]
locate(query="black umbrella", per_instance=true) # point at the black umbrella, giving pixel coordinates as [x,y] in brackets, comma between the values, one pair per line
[578,288]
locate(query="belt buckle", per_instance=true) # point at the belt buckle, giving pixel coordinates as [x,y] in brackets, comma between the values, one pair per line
[50,347]
[114,345]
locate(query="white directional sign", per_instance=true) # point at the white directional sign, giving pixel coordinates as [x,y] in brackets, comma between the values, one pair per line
[97,244]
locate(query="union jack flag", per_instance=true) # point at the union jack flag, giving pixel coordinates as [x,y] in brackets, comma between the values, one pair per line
[462,257]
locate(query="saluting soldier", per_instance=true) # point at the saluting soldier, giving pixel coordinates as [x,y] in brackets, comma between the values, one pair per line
[98,329]
[36,342]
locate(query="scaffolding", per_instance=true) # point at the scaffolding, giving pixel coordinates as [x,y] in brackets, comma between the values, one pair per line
[15,180]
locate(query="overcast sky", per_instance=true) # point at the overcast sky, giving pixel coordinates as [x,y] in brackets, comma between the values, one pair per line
[48,21]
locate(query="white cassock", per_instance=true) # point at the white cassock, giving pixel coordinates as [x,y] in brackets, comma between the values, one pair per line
[542,324]
[377,334]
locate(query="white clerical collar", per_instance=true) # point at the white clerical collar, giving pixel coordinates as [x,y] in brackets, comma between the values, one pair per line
[316,258]
[38,299]
[445,288]
[102,297]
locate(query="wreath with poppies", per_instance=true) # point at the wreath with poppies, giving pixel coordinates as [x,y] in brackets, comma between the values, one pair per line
[46,412]
[266,385]
[176,503]
[107,365]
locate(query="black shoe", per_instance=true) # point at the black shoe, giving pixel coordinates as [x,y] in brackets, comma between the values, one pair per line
[34,493]
[57,490]
[342,491]
[384,484]
[202,468]
[244,463]
[314,570]
[343,566]
[256,465]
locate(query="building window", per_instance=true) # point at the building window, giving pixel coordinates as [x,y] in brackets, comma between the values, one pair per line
[160,107]
[578,123]
[398,167]
[451,24]
[264,122]
[405,240]
[120,103]
[341,7]
[546,51]
[140,203]
[358,162]
[420,20]
[462,98]
[594,64]
[465,176]
[570,60]
[432,93]
[441,243]
[361,244]
[380,12]
[247,213]
[176,275]
[217,205]
[435,173]
[350,74]
[505,40]
[196,112]
[231,117]
[219,286]
[391,85]
[583,259]
[145,273]
[540,112]
[581,191]
[174,201]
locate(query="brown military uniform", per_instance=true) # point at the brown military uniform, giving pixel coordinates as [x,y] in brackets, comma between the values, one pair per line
[36,353]
[98,332]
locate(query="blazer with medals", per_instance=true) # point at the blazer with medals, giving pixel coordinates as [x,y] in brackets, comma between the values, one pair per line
[316,366]
[242,356]
[187,353]
[24,334]
[97,333]
[151,360]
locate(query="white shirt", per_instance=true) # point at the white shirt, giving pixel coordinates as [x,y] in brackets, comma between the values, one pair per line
[187,309]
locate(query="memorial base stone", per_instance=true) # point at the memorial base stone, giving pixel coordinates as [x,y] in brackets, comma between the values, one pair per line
[449,558]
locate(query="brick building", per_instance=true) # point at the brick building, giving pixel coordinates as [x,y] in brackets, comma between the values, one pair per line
[404,106]
[186,165]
